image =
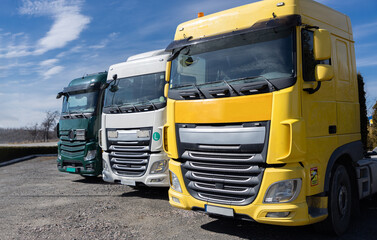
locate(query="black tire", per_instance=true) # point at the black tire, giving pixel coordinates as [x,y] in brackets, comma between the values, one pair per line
[339,203]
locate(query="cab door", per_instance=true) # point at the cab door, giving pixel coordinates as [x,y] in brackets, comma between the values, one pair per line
[319,111]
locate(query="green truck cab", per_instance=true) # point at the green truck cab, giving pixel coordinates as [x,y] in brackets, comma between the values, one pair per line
[80,120]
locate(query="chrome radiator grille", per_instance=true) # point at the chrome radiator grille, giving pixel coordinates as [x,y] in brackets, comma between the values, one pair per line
[71,148]
[223,163]
[223,179]
[128,154]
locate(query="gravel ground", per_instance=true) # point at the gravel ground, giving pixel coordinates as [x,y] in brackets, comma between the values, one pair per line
[38,202]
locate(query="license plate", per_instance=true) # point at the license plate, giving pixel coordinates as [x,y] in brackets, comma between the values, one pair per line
[219,210]
[72,170]
[128,182]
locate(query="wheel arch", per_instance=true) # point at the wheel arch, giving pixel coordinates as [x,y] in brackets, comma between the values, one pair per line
[346,155]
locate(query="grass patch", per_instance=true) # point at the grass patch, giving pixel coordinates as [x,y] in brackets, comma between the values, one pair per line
[9,153]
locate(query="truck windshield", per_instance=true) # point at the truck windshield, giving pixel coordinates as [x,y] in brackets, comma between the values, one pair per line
[138,90]
[266,57]
[80,102]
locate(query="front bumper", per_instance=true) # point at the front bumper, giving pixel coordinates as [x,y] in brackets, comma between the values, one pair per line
[78,165]
[257,211]
[148,179]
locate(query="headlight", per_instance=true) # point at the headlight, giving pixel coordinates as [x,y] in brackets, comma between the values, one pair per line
[174,182]
[283,192]
[90,155]
[159,167]
[142,134]
[80,134]
[112,134]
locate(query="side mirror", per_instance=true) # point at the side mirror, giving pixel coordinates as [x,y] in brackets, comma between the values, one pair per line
[166,90]
[114,88]
[324,72]
[59,95]
[322,44]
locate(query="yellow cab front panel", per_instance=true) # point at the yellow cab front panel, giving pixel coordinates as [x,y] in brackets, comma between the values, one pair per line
[235,141]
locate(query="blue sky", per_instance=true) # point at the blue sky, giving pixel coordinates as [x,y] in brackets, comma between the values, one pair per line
[45,44]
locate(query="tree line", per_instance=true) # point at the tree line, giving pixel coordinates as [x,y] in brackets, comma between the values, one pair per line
[38,132]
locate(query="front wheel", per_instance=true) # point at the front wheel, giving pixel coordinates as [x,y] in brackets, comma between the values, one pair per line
[339,203]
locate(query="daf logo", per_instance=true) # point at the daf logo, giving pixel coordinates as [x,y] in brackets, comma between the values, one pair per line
[71,135]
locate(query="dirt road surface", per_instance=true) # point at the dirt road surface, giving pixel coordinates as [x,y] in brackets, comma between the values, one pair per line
[38,202]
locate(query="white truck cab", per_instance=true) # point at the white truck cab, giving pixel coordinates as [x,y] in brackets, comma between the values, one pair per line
[133,117]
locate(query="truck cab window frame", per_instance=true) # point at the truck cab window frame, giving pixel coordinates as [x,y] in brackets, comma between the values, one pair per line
[308,61]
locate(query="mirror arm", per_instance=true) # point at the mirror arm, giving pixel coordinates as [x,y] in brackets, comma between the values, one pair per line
[306,26]
[313,90]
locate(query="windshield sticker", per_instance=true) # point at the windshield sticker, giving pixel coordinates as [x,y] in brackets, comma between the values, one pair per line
[314,176]
[156,136]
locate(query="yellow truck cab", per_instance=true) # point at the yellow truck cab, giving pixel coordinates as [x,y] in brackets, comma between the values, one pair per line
[263,119]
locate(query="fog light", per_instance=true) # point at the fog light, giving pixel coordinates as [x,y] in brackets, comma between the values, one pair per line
[278,214]
[176,200]
[174,182]
[90,155]
[283,192]
[157,180]
[159,167]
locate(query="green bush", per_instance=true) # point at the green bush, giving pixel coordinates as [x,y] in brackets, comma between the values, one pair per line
[9,153]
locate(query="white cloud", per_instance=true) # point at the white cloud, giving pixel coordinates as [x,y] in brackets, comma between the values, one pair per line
[75,49]
[14,65]
[67,26]
[367,62]
[48,62]
[52,71]
[106,41]
[365,30]
[26,114]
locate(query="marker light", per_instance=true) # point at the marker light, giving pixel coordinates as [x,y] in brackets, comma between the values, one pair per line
[201,14]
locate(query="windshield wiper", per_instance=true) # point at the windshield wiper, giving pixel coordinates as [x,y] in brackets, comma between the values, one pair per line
[154,105]
[132,105]
[81,114]
[231,87]
[196,87]
[114,106]
[272,86]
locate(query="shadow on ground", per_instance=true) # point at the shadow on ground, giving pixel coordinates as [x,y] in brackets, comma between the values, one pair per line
[362,227]
[91,180]
[149,193]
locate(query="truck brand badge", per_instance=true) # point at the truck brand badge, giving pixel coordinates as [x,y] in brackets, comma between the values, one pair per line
[314,176]
[156,136]
[71,135]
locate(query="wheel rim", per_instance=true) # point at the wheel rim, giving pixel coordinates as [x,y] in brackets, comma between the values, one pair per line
[342,201]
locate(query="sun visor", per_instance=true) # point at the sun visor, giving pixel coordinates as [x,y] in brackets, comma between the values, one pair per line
[82,87]
[278,23]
